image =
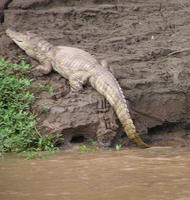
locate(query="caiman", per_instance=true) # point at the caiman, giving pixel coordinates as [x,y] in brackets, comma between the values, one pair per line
[79,67]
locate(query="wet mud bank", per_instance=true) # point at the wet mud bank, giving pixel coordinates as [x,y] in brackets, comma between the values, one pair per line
[147,45]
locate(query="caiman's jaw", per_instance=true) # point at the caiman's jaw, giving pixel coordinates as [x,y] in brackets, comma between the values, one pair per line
[22,40]
[33,45]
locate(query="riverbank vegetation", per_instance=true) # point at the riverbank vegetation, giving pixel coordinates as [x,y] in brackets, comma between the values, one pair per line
[18,121]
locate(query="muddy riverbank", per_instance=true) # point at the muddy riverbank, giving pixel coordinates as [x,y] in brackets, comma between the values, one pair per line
[147,46]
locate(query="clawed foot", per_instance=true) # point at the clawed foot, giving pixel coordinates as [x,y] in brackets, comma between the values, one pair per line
[105,137]
[103,105]
[111,125]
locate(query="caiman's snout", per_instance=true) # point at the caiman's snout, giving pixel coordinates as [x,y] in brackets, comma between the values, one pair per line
[19,38]
[16,36]
[11,33]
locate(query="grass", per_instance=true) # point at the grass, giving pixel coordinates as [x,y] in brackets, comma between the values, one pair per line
[93,147]
[47,89]
[118,147]
[18,132]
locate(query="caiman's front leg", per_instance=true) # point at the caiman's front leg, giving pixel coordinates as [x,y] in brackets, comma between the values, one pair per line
[104,64]
[46,68]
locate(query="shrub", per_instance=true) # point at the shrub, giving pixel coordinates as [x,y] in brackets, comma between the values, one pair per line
[17,121]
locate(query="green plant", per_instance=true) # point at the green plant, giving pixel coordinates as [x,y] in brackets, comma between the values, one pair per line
[94,146]
[20,57]
[83,148]
[48,143]
[94,143]
[18,131]
[91,148]
[50,89]
[47,89]
[118,147]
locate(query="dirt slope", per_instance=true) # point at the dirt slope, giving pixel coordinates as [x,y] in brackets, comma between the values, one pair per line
[147,45]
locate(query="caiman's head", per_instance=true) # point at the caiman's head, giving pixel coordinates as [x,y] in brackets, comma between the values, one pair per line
[23,40]
[27,41]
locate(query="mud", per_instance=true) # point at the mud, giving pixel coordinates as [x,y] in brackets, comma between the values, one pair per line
[147,46]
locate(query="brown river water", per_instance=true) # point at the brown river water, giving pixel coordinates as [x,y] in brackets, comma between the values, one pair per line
[157,173]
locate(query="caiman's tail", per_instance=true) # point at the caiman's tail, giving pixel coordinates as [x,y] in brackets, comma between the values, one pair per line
[125,119]
[110,89]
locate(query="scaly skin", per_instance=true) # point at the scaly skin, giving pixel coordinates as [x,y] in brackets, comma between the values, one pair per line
[78,67]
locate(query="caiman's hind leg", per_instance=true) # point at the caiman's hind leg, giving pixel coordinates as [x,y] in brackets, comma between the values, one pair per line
[105,65]
[45,69]
[78,80]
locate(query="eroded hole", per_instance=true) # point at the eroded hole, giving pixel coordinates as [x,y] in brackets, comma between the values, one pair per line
[164,128]
[78,139]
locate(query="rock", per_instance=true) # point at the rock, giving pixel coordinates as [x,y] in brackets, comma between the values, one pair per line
[80,116]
